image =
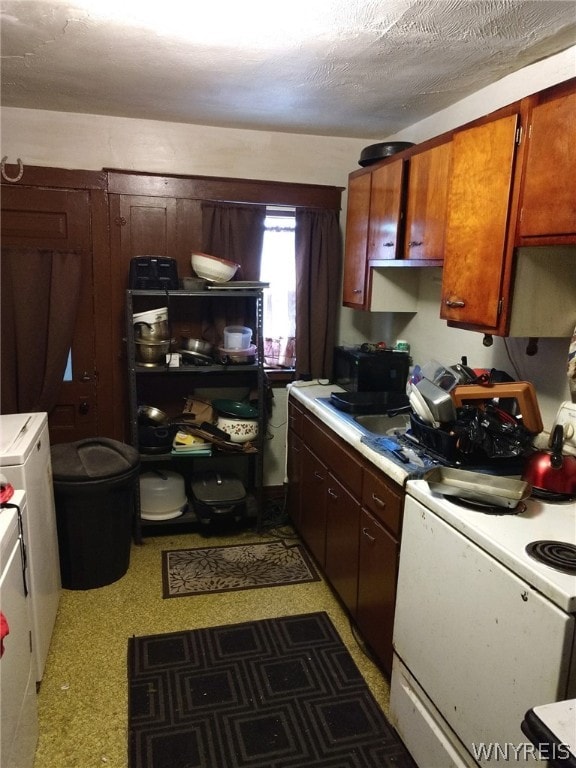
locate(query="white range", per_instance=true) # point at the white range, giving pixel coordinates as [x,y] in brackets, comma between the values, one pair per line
[483,632]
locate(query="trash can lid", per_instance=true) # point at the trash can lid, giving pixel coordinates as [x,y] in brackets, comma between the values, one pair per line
[92,459]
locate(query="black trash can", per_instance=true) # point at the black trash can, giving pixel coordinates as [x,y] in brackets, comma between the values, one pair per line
[94,490]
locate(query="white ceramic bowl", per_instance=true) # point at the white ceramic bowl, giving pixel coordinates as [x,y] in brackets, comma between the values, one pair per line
[240,430]
[212,268]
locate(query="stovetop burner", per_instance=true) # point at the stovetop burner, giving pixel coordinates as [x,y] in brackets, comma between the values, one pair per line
[557,554]
[551,496]
[492,509]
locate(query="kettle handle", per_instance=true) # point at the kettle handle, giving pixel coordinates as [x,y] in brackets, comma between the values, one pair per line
[557,442]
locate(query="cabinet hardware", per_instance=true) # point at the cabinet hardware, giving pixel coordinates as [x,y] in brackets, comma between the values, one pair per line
[378,500]
[84,407]
[85,376]
[455,303]
[332,492]
[368,536]
[388,245]
[318,476]
[518,135]
[415,243]
[357,290]
[120,221]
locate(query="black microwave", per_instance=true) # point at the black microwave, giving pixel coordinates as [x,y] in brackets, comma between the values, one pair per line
[383,370]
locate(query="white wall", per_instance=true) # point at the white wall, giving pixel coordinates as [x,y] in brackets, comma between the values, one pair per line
[70,140]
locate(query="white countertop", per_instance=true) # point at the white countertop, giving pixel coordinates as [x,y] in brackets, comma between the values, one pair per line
[560,719]
[306,393]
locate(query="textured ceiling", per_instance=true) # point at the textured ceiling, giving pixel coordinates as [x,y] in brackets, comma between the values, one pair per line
[354,68]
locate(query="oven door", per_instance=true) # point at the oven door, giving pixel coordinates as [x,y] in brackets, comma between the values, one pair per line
[483,645]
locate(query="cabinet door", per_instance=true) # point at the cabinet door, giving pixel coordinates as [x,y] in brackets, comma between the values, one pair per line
[386,204]
[342,527]
[427,203]
[377,577]
[548,205]
[354,285]
[313,505]
[294,471]
[478,205]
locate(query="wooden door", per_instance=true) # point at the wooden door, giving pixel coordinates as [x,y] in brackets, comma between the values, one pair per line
[548,204]
[342,527]
[355,267]
[427,203]
[139,226]
[60,219]
[476,230]
[377,578]
[386,209]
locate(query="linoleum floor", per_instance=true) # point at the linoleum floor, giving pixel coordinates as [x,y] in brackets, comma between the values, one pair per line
[83,695]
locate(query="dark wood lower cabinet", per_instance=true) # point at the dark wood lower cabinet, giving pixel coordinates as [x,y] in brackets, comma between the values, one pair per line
[342,521]
[377,576]
[349,515]
[313,504]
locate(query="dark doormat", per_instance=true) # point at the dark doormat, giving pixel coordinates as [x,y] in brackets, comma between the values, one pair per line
[277,693]
[241,566]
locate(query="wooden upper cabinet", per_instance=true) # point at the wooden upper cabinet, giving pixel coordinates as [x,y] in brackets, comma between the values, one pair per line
[476,267]
[548,201]
[429,178]
[354,284]
[386,210]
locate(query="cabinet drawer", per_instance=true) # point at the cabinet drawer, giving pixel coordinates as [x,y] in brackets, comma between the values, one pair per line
[383,499]
[342,461]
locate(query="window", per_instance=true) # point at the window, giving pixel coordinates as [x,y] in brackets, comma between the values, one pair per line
[278,267]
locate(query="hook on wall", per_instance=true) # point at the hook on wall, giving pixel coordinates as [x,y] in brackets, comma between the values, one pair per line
[11,178]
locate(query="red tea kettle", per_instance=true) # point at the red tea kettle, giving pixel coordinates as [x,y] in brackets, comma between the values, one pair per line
[551,471]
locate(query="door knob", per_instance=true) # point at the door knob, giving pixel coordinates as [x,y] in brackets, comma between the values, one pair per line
[84,407]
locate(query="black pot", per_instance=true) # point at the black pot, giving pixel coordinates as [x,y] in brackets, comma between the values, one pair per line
[376,152]
[152,439]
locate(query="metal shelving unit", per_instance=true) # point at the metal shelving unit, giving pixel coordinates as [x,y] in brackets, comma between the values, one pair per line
[188,309]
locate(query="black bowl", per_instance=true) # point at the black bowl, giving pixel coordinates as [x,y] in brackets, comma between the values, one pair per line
[376,152]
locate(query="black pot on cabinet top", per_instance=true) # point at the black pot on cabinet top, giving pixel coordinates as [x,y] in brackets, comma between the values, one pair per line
[376,152]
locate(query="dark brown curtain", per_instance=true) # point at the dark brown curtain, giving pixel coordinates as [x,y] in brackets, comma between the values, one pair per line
[318,264]
[39,302]
[234,232]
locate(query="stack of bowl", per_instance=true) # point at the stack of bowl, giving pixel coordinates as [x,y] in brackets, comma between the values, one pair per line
[151,336]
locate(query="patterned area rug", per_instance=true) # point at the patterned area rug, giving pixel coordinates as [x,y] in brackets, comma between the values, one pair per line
[278,692]
[242,566]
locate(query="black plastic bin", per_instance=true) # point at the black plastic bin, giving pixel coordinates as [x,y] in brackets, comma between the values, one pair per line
[94,489]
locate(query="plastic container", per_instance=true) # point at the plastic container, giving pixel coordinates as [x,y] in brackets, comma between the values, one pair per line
[162,495]
[237,337]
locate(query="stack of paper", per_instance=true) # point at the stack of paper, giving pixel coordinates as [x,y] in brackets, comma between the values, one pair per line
[186,444]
